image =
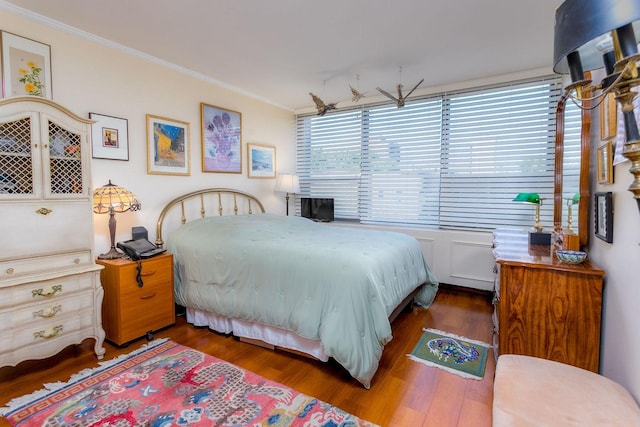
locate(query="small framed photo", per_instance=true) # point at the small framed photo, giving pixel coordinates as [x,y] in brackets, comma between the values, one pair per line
[167,146]
[604,216]
[26,67]
[221,139]
[261,161]
[109,137]
[605,163]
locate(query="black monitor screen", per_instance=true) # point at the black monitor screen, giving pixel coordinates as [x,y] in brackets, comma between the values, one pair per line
[317,209]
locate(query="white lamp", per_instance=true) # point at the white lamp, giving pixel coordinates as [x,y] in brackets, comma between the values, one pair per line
[288,183]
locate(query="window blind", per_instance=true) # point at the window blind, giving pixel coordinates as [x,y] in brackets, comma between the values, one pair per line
[453,160]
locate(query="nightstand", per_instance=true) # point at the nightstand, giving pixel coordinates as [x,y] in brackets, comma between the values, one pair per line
[130,309]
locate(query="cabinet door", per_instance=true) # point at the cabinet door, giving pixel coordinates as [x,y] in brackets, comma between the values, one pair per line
[19,167]
[64,152]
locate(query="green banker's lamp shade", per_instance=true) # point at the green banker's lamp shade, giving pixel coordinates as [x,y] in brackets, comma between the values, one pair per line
[532,199]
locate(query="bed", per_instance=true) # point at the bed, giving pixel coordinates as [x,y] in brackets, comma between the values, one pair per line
[319,289]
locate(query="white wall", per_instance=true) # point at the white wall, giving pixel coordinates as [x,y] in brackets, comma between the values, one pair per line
[621,307]
[93,77]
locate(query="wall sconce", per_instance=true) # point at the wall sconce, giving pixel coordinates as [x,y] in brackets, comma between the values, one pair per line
[289,184]
[536,235]
[111,199]
[596,34]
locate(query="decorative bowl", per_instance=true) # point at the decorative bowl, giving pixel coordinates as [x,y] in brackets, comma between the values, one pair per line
[574,257]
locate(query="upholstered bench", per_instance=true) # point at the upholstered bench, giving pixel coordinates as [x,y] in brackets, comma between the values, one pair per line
[530,391]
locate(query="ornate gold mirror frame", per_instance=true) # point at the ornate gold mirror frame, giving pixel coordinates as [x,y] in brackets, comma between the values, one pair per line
[569,241]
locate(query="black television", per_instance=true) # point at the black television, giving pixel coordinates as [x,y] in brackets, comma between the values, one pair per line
[317,209]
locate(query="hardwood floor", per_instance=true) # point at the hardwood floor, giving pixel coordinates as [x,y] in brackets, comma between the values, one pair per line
[403,392]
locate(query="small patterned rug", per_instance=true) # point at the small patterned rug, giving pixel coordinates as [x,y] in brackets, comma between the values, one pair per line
[459,355]
[167,384]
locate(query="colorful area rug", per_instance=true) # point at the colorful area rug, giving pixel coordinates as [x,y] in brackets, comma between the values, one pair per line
[455,354]
[166,384]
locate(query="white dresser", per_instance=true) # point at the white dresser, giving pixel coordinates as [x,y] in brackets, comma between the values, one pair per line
[50,292]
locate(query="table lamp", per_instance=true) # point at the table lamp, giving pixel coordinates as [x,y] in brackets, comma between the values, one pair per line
[536,234]
[289,184]
[111,199]
[603,34]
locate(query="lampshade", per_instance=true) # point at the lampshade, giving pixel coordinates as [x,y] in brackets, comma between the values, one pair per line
[533,198]
[288,183]
[112,198]
[581,26]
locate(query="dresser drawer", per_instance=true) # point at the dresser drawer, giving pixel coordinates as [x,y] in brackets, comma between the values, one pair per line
[12,267]
[45,311]
[46,290]
[46,330]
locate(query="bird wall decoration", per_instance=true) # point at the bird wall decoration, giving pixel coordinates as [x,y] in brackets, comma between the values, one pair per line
[357,96]
[400,100]
[321,106]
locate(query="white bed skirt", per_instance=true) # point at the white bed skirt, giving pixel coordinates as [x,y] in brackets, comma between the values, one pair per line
[244,329]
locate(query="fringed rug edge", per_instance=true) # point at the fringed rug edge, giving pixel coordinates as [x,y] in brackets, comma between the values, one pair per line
[48,388]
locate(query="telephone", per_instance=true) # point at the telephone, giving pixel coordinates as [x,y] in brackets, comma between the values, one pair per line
[140,248]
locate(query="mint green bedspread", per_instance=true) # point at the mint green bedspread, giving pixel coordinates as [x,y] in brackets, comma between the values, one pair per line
[334,284]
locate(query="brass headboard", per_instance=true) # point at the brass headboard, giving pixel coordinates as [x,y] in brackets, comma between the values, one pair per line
[222,195]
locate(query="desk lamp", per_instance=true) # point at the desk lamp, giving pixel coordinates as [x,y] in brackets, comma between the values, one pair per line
[536,234]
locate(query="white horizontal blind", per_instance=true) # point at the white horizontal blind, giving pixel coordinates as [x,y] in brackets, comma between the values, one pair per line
[500,141]
[329,159]
[454,160]
[401,163]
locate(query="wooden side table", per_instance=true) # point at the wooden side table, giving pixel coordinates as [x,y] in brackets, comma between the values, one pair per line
[544,307]
[134,308]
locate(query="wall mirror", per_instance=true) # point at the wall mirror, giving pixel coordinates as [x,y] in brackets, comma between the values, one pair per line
[564,198]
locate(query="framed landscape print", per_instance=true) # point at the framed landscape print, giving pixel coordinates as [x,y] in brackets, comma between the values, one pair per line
[261,161]
[109,137]
[167,146]
[26,67]
[221,139]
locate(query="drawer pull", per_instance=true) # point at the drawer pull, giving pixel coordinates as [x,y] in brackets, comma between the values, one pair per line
[48,333]
[148,296]
[148,274]
[76,261]
[49,293]
[44,211]
[49,312]
[10,270]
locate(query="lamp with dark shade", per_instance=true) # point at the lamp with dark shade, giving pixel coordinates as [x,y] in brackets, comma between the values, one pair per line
[111,199]
[596,34]
[289,184]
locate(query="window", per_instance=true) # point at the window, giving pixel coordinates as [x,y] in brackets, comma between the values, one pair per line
[453,160]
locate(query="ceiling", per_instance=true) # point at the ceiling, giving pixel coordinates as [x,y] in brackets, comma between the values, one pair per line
[280,50]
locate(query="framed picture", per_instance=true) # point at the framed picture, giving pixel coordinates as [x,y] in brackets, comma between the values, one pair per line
[26,67]
[109,137]
[261,161]
[605,164]
[604,216]
[608,118]
[167,146]
[221,139]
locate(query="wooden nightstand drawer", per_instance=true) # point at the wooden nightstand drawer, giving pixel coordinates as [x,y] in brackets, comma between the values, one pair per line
[137,302]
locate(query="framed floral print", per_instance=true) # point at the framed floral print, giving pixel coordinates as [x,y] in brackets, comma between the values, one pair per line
[221,139]
[261,161]
[26,67]
[167,146]
[109,137]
